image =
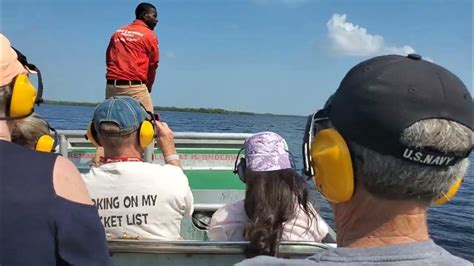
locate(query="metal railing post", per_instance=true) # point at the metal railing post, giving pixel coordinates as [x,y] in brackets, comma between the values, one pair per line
[149,152]
[63,145]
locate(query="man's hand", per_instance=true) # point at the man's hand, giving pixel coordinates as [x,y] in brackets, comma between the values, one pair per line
[165,139]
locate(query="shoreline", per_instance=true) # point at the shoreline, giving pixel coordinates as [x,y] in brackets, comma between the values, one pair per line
[168,108]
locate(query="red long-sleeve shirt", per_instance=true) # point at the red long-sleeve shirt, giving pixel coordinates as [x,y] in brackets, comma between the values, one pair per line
[133,54]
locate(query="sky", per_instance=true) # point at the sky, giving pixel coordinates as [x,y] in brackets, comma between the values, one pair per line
[264,56]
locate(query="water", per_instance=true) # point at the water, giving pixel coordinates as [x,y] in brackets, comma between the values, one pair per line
[450,225]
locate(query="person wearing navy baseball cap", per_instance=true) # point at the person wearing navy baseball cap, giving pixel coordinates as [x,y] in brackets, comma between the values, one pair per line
[393,140]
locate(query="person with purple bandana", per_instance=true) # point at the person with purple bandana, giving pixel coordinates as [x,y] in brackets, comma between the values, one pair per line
[276,203]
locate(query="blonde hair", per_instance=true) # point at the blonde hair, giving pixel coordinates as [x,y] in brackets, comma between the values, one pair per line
[4,93]
[28,130]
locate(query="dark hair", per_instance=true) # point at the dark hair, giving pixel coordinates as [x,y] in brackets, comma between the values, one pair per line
[142,9]
[271,199]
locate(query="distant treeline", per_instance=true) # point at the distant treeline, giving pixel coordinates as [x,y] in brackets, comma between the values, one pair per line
[157,108]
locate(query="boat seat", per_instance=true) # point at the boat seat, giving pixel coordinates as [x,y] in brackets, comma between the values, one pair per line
[188,252]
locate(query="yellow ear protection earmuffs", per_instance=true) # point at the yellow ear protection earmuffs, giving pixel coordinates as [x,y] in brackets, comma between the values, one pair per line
[240,166]
[91,135]
[146,131]
[449,195]
[23,95]
[327,159]
[47,143]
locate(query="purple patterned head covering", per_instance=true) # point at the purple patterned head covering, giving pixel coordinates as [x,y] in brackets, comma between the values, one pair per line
[266,151]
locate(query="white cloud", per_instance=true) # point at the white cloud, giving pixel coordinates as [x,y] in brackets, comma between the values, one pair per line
[170,54]
[399,50]
[354,40]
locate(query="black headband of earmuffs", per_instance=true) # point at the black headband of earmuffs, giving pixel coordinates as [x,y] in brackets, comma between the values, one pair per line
[56,138]
[24,61]
[52,131]
[237,161]
[152,118]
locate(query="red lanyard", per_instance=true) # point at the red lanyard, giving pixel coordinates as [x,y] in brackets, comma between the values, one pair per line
[119,159]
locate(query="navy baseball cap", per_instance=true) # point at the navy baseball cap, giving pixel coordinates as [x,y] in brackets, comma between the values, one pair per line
[126,112]
[381,97]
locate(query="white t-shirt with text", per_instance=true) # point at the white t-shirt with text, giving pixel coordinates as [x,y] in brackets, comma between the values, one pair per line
[139,200]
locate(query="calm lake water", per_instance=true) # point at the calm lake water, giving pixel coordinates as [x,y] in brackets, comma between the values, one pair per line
[451,225]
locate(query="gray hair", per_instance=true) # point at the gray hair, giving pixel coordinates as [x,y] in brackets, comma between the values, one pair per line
[110,138]
[392,178]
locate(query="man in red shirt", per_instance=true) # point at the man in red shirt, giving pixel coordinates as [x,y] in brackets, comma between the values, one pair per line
[132,57]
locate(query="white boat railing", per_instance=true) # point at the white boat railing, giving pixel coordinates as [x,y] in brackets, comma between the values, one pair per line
[204,207]
[208,247]
[75,138]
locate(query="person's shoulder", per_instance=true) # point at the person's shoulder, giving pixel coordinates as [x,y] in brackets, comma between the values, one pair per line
[127,26]
[25,151]
[169,173]
[230,213]
[446,258]
[150,35]
[120,29]
[238,206]
[454,260]
[228,222]
[90,176]
[68,182]
[166,167]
